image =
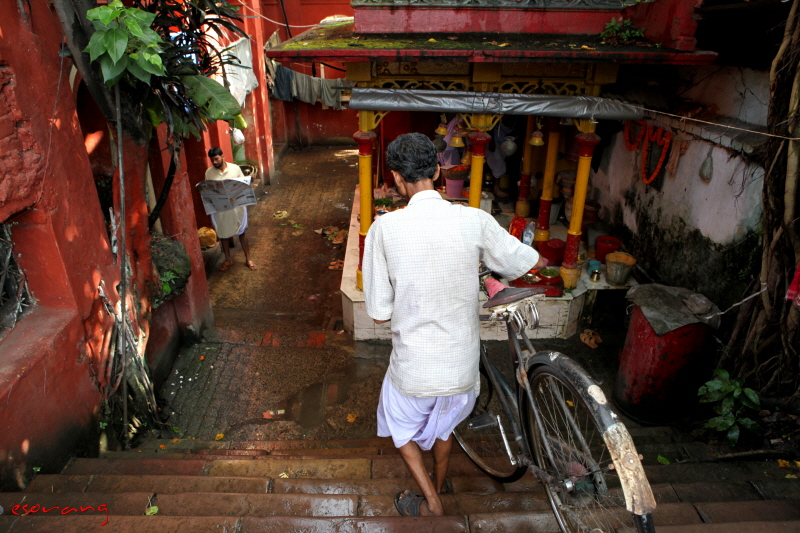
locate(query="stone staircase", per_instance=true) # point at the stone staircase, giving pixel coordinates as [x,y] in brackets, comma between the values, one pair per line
[349,486]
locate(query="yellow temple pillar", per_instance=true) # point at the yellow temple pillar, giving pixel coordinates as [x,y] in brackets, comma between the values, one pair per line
[542,232]
[587,140]
[365,138]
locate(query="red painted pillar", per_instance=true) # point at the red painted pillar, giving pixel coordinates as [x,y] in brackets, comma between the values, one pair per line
[197,162]
[193,307]
[137,235]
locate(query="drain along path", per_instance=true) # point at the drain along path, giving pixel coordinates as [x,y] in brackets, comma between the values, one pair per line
[276,366]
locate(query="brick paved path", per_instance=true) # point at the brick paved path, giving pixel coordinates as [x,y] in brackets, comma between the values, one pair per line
[274,331]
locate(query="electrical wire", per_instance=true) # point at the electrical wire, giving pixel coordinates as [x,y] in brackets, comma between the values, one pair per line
[716,124]
[273,21]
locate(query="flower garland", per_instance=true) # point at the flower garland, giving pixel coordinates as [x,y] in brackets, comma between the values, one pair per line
[627,134]
[661,138]
[517,227]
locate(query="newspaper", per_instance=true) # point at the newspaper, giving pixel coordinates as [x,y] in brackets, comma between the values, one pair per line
[224,195]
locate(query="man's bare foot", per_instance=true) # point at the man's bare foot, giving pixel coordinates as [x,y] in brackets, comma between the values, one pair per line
[251,265]
[225,266]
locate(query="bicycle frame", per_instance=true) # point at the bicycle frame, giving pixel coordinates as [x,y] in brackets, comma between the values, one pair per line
[639,498]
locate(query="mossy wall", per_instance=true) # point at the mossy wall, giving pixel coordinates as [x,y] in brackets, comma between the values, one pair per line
[684,231]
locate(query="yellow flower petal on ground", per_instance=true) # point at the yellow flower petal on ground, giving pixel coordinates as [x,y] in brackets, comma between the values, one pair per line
[219,436]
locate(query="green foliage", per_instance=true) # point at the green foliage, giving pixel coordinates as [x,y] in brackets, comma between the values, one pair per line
[663,460]
[124,43]
[734,401]
[165,52]
[384,202]
[620,32]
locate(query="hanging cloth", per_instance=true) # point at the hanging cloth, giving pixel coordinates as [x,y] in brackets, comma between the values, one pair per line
[282,90]
[306,88]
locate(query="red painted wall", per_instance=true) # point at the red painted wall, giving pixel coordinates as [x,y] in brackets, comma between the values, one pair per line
[669,22]
[53,363]
[317,125]
[414,19]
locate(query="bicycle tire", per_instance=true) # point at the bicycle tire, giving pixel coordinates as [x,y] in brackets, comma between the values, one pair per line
[484,445]
[574,441]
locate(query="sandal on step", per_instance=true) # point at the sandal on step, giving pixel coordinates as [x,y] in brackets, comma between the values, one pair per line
[225,266]
[409,504]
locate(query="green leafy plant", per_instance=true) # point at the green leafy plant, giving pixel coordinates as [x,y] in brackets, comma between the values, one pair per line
[384,202]
[734,401]
[124,42]
[621,32]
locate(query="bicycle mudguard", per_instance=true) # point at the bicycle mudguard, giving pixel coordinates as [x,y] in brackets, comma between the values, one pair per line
[639,497]
[512,294]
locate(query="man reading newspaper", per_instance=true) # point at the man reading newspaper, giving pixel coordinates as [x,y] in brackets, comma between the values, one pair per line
[233,221]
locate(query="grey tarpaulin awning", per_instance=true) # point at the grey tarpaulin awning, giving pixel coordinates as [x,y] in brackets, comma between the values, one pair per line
[668,308]
[543,105]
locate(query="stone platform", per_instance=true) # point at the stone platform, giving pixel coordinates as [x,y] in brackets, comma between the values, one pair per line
[558,317]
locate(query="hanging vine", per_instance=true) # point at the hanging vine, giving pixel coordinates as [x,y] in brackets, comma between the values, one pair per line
[763,348]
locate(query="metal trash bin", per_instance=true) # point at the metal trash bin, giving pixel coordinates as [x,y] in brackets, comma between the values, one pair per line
[667,353]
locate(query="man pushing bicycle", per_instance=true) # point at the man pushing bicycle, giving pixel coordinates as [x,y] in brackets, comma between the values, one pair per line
[419,271]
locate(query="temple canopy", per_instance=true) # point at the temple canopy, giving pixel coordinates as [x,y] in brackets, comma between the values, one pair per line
[543,105]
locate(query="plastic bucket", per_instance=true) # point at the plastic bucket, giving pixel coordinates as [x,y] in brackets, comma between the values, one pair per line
[606,245]
[618,267]
[553,250]
[453,188]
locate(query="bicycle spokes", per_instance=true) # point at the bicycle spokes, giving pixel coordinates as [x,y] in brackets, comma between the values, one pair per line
[582,484]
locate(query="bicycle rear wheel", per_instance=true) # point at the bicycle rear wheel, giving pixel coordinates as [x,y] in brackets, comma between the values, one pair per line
[490,433]
[575,438]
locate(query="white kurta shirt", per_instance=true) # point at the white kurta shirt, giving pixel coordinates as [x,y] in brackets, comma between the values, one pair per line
[420,269]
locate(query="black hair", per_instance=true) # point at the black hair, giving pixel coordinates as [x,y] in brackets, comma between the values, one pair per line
[413,156]
[214,151]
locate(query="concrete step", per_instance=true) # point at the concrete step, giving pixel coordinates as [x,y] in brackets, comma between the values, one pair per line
[228,453]
[264,466]
[464,504]
[185,504]
[743,471]
[743,527]
[752,511]
[276,524]
[545,522]
[385,487]
[320,452]
[151,484]
[161,467]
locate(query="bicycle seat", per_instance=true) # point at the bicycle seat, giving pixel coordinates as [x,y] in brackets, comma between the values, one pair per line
[512,294]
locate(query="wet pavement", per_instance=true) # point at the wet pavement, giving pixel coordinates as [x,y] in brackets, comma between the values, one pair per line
[278,365]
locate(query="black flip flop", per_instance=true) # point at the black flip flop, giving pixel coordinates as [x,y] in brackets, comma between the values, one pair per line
[409,505]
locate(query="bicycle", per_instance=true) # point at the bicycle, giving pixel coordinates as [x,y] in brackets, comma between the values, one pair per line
[557,423]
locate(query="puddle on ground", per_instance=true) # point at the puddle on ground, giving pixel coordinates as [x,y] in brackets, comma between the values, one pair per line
[310,406]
